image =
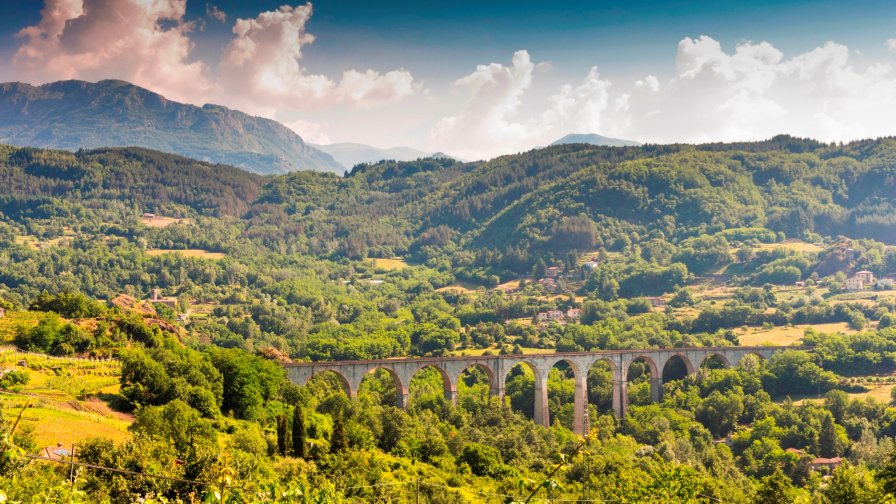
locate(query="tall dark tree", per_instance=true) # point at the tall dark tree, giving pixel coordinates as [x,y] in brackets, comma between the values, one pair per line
[828,442]
[299,434]
[338,440]
[283,440]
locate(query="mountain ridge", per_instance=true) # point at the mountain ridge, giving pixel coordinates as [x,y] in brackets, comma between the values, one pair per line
[75,114]
[594,139]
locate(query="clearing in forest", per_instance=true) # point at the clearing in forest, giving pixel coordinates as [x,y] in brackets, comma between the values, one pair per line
[202,254]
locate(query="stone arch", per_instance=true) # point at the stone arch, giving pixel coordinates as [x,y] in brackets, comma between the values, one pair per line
[447,385]
[538,382]
[755,353]
[401,390]
[489,372]
[343,380]
[654,376]
[685,367]
[579,398]
[525,363]
[652,367]
[720,357]
[617,386]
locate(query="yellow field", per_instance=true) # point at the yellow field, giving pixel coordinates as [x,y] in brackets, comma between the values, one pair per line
[879,392]
[59,391]
[788,335]
[58,422]
[35,244]
[202,254]
[794,245]
[460,287]
[15,319]
[394,264]
[162,222]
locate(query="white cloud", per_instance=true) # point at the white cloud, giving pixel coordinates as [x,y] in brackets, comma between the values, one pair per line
[310,131]
[755,92]
[144,42]
[891,44]
[489,123]
[214,12]
[148,42]
[262,63]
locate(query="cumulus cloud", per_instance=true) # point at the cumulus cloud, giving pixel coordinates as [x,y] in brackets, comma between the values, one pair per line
[144,42]
[263,63]
[148,42]
[752,92]
[755,92]
[489,123]
[891,44]
[214,12]
[310,131]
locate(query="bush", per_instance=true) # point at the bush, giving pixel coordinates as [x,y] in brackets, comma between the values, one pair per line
[482,459]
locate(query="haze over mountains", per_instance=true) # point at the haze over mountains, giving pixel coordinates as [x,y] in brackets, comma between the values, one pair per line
[594,139]
[111,113]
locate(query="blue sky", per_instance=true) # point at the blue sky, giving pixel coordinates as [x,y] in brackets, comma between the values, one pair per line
[436,66]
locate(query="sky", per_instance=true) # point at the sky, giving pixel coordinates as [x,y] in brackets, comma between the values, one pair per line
[478,79]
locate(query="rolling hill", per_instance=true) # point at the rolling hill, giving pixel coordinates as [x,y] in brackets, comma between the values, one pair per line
[76,115]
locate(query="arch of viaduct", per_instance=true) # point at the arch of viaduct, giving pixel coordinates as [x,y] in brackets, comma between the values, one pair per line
[497,367]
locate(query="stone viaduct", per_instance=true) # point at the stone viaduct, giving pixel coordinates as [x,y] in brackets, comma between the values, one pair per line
[497,367]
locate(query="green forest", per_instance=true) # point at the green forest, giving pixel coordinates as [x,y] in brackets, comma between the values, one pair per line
[200,280]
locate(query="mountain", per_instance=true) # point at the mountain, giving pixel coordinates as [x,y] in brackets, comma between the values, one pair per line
[350,154]
[73,115]
[594,139]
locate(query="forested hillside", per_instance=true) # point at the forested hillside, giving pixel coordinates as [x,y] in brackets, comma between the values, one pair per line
[201,278]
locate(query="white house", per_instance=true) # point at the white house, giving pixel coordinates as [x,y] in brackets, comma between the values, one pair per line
[855,284]
[867,277]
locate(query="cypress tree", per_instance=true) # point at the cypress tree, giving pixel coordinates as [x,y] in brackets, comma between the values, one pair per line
[298,432]
[282,435]
[338,441]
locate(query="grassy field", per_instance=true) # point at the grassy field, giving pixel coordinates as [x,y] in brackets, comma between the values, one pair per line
[202,254]
[61,393]
[460,287]
[162,222]
[394,264]
[794,245]
[787,335]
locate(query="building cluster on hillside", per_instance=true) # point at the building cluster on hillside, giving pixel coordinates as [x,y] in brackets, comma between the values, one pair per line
[864,280]
[555,276]
[818,463]
[560,316]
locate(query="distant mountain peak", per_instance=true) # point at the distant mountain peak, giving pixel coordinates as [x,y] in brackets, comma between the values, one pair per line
[595,139]
[75,114]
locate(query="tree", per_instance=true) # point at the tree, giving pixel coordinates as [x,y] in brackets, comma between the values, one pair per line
[830,442]
[299,433]
[283,440]
[540,269]
[774,489]
[851,485]
[338,440]
[720,412]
